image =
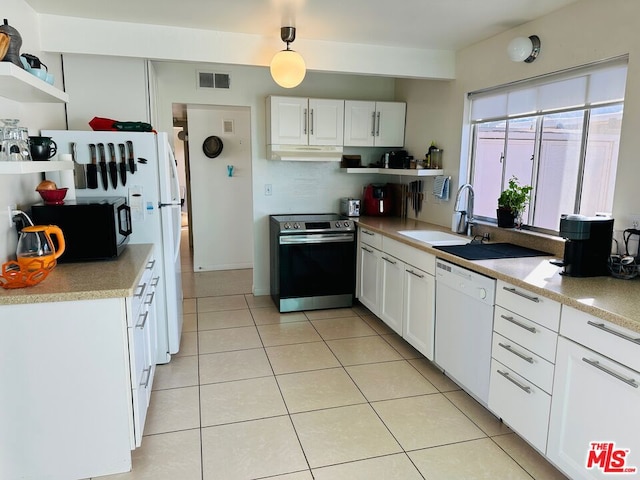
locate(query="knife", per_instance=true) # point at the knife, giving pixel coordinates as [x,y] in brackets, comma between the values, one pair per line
[92,169]
[123,164]
[103,166]
[132,162]
[79,173]
[113,166]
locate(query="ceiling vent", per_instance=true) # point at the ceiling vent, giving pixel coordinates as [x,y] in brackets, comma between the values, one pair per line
[214,80]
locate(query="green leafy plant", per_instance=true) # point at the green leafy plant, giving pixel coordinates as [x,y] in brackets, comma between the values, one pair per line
[515,197]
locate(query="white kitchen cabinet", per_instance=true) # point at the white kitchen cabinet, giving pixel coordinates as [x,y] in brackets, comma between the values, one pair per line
[77,378]
[523,355]
[392,292]
[304,121]
[418,317]
[369,124]
[396,282]
[595,398]
[370,270]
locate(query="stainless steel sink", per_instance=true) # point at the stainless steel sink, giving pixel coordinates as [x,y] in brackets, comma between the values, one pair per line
[435,237]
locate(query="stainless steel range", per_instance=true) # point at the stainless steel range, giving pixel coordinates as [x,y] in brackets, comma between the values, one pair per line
[313,261]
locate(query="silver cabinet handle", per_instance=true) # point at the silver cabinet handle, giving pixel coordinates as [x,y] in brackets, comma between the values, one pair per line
[510,349]
[521,325]
[151,264]
[366,249]
[305,121]
[373,124]
[594,363]
[415,274]
[144,317]
[522,294]
[603,327]
[141,290]
[516,383]
[389,260]
[155,281]
[378,129]
[145,384]
[311,115]
[150,298]
[368,232]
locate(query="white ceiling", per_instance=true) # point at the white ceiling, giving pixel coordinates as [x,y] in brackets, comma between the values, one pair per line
[422,24]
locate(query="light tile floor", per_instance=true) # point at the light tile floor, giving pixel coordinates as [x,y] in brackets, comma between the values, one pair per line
[330,395]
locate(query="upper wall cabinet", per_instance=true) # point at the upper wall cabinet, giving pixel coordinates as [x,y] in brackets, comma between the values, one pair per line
[304,121]
[374,124]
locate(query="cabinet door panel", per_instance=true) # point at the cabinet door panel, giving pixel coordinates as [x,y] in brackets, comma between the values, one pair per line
[370,271]
[392,292]
[359,119]
[326,122]
[419,310]
[390,128]
[591,405]
[288,121]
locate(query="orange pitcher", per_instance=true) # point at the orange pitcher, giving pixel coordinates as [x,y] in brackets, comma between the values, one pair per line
[36,250]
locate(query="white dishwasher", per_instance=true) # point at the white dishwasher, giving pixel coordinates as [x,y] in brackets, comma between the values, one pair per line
[464,325]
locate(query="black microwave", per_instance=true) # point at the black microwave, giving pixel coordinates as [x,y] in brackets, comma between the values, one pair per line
[94,228]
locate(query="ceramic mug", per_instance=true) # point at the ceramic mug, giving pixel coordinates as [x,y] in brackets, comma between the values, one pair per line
[42,148]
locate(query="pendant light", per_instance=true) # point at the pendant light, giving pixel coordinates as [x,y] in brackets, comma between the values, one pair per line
[287,66]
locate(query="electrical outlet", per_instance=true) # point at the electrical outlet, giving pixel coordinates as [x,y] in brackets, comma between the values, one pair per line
[267,189]
[10,209]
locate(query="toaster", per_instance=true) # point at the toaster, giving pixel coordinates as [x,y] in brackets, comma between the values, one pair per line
[350,207]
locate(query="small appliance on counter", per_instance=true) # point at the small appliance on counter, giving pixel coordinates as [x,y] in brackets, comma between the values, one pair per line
[350,207]
[95,228]
[377,200]
[397,159]
[588,245]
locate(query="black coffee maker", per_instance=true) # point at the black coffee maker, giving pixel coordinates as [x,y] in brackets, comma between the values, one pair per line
[588,245]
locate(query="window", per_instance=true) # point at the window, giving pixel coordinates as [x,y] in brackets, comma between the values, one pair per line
[558,133]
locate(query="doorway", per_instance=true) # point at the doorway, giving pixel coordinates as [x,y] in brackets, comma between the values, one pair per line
[218,194]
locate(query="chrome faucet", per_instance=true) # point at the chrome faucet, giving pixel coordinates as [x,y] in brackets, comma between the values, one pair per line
[464,218]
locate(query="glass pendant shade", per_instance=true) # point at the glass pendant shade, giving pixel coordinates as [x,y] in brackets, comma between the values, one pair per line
[524,49]
[288,68]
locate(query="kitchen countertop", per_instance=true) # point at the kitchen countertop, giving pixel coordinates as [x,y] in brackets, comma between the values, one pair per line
[609,298]
[87,280]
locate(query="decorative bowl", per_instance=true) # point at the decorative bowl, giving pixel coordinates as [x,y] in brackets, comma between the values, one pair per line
[14,276]
[53,197]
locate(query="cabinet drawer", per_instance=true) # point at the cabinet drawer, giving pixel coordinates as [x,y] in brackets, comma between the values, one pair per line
[520,404]
[530,335]
[617,343]
[541,310]
[371,238]
[140,292]
[141,398]
[522,361]
[413,256]
[138,350]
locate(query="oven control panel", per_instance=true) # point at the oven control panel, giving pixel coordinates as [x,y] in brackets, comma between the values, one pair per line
[313,223]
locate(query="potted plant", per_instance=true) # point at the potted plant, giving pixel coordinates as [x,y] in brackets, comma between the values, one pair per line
[512,202]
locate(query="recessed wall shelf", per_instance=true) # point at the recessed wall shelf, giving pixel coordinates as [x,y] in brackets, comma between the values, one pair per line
[423,172]
[13,168]
[19,85]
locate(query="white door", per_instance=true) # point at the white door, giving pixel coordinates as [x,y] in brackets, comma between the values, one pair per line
[370,271]
[392,292]
[390,118]
[289,121]
[359,123]
[419,310]
[222,207]
[326,122]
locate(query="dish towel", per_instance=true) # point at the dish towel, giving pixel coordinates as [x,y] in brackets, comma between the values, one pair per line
[441,187]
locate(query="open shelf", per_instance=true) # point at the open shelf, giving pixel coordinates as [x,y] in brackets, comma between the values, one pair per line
[13,168]
[19,85]
[424,172]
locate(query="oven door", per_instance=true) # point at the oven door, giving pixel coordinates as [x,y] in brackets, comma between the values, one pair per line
[315,265]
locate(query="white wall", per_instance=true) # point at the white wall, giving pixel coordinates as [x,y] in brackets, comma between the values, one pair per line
[20,189]
[584,32]
[298,187]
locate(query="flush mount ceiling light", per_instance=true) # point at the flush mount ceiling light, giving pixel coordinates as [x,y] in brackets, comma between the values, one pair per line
[287,67]
[523,49]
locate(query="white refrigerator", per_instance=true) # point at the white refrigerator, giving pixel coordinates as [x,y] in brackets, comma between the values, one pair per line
[153,194]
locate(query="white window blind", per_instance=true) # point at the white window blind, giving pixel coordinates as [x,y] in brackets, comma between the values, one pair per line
[584,86]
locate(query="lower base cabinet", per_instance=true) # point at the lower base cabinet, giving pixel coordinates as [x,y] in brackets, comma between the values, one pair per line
[418,318]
